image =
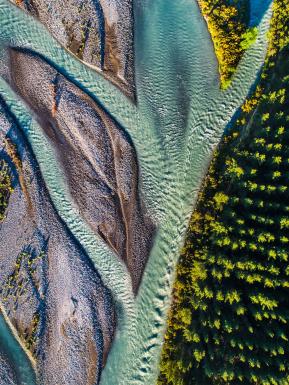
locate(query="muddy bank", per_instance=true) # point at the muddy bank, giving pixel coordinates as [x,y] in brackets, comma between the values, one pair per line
[98,32]
[97,157]
[50,290]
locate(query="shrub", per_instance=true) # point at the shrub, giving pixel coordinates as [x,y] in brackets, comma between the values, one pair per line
[5,188]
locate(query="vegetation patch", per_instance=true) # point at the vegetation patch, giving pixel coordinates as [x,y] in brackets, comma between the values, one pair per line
[16,289]
[227,22]
[229,323]
[5,188]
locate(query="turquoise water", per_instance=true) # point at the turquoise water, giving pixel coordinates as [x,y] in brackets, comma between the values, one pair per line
[15,354]
[179,119]
[258,8]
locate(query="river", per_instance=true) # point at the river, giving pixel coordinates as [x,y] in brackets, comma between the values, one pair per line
[179,119]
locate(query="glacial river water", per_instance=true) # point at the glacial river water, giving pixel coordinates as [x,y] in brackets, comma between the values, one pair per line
[13,352]
[178,121]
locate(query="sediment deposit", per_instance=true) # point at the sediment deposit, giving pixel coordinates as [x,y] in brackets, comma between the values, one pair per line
[7,373]
[97,156]
[50,291]
[98,32]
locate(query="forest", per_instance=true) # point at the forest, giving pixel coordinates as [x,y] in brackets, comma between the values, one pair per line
[229,321]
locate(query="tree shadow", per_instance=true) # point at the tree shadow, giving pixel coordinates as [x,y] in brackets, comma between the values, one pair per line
[257,10]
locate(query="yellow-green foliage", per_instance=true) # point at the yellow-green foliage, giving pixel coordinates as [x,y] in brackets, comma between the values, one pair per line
[5,188]
[279,34]
[229,323]
[227,23]
[31,336]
